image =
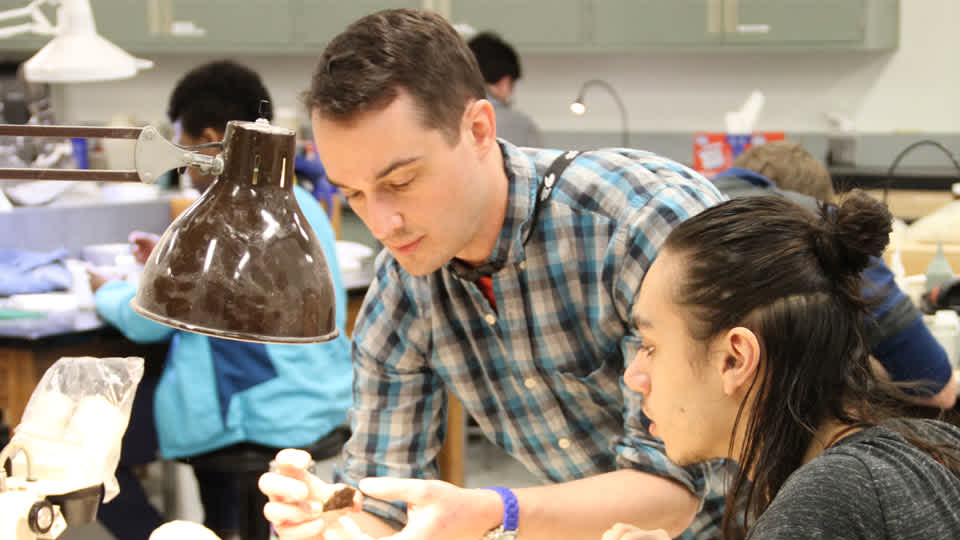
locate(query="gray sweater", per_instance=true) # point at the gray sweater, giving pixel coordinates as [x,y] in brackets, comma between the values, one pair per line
[872,484]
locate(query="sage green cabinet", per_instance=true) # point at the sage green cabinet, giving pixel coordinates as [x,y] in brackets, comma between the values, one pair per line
[529,25]
[321,20]
[205,26]
[743,24]
[560,26]
[795,21]
[625,24]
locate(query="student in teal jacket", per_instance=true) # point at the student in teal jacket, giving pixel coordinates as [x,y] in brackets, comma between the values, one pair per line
[215,395]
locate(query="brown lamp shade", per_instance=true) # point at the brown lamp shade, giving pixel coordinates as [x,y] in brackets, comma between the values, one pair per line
[242,262]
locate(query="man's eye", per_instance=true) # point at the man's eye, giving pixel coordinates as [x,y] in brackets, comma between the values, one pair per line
[401,185]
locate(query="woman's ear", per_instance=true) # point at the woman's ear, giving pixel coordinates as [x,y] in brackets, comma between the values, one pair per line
[741,360]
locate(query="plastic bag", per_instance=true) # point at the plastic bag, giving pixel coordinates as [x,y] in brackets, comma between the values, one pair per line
[75,420]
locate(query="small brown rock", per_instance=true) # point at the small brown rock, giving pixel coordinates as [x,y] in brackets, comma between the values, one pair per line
[342,497]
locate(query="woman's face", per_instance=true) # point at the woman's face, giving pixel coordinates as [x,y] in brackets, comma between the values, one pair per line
[679,377]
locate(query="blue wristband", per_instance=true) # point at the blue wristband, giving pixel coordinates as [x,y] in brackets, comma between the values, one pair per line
[511,509]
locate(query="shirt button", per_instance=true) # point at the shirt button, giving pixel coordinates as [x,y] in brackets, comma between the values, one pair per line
[490,318]
[563,443]
[530,383]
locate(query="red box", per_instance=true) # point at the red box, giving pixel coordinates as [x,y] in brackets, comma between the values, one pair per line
[714,152]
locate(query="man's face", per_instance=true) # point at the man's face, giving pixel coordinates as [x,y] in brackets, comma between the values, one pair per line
[682,394]
[424,198]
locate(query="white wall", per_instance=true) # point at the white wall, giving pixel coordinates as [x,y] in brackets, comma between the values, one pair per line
[916,88]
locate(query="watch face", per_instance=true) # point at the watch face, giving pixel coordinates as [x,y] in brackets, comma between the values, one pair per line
[494,534]
[500,534]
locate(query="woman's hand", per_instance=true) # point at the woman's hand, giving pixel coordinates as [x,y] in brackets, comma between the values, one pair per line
[622,531]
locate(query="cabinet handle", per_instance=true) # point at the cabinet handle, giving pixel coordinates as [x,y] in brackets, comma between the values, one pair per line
[714,15]
[159,17]
[730,15]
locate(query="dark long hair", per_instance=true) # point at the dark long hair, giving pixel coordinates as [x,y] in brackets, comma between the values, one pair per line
[793,278]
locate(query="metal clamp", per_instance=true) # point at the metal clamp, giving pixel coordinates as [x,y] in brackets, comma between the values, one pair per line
[154,155]
[10,452]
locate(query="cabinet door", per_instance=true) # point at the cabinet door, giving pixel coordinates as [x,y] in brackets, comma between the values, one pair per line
[196,25]
[795,21]
[321,20]
[525,24]
[652,23]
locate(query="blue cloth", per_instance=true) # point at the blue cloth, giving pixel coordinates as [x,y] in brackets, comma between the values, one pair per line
[897,337]
[542,373]
[214,393]
[25,272]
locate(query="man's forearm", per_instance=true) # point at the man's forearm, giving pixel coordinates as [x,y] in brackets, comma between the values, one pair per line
[586,508]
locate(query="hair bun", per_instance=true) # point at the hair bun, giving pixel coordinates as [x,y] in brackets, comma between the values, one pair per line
[852,233]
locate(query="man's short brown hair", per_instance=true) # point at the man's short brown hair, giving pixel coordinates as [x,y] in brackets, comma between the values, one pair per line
[789,166]
[366,66]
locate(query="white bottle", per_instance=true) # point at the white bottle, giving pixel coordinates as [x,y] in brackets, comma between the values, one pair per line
[945,327]
[939,271]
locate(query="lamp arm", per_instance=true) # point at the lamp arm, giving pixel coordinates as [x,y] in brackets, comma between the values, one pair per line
[39,25]
[903,153]
[625,135]
[153,154]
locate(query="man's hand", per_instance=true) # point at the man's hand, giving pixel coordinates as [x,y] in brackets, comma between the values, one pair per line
[143,244]
[296,498]
[622,531]
[435,510]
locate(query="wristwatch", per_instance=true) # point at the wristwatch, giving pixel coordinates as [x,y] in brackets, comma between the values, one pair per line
[508,529]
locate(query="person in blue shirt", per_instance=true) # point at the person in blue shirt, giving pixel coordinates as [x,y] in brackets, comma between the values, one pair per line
[218,397]
[903,347]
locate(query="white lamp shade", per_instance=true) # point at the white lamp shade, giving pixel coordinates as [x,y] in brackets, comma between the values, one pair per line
[78,53]
[81,58]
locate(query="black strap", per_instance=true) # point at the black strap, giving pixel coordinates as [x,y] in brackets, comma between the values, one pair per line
[554,172]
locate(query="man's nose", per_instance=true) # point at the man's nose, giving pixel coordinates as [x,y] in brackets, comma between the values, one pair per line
[384,220]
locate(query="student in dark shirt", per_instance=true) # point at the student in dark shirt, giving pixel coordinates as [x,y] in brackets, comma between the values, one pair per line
[753,350]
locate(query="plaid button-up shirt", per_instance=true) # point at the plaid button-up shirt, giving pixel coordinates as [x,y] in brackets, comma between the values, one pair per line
[541,373]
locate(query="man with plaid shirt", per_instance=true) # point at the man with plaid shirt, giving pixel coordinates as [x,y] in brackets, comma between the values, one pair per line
[508,279]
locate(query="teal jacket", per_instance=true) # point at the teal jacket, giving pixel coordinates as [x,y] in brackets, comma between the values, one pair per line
[216,392]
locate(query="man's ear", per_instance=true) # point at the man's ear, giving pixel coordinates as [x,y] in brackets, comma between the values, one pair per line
[740,360]
[480,124]
[211,135]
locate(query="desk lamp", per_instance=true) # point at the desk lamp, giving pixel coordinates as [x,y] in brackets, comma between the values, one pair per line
[242,262]
[579,108]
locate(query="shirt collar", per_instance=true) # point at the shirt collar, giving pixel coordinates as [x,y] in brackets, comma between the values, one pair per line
[746,175]
[522,181]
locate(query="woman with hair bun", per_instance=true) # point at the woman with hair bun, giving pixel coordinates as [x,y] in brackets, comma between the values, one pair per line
[753,350]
